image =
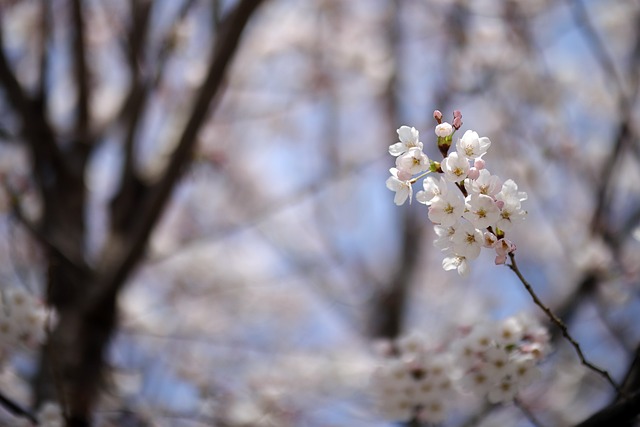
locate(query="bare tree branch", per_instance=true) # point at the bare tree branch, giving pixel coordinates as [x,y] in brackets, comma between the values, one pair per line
[129,255]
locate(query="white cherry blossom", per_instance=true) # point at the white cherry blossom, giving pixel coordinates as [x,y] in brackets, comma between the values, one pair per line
[485,183]
[413,161]
[402,188]
[467,241]
[481,211]
[456,262]
[455,167]
[471,146]
[446,210]
[432,189]
[409,138]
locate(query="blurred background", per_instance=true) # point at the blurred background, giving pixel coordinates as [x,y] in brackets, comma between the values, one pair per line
[277,258]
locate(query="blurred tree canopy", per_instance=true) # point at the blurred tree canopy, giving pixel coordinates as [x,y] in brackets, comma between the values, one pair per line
[195,189]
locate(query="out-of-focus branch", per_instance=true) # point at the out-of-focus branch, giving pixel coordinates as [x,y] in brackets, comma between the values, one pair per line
[631,381]
[128,256]
[623,135]
[131,186]
[617,414]
[35,231]
[16,409]
[35,127]
[46,31]
[388,305]
[81,74]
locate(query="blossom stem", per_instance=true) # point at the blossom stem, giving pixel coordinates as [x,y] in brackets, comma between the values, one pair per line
[560,324]
[414,180]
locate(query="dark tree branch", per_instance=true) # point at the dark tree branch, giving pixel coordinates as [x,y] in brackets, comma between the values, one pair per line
[48,160]
[131,186]
[37,233]
[81,74]
[617,414]
[46,31]
[631,381]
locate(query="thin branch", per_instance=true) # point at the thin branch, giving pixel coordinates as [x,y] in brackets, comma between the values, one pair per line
[560,324]
[16,409]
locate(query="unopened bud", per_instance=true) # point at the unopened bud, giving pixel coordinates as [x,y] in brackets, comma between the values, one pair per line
[457,122]
[438,116]
[479,163]
[444,129]
[473,174]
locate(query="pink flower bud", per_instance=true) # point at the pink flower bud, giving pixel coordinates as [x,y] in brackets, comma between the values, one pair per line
[457,123]
[438,116]
[473,174]
[479,164]
[500,204]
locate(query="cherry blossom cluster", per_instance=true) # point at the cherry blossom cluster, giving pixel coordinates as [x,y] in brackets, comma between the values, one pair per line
[413,382]
[22,321]
[498,360]
[470,207]
[492,360]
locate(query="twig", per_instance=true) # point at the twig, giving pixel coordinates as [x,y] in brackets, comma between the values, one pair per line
[527,413]
[560,324]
